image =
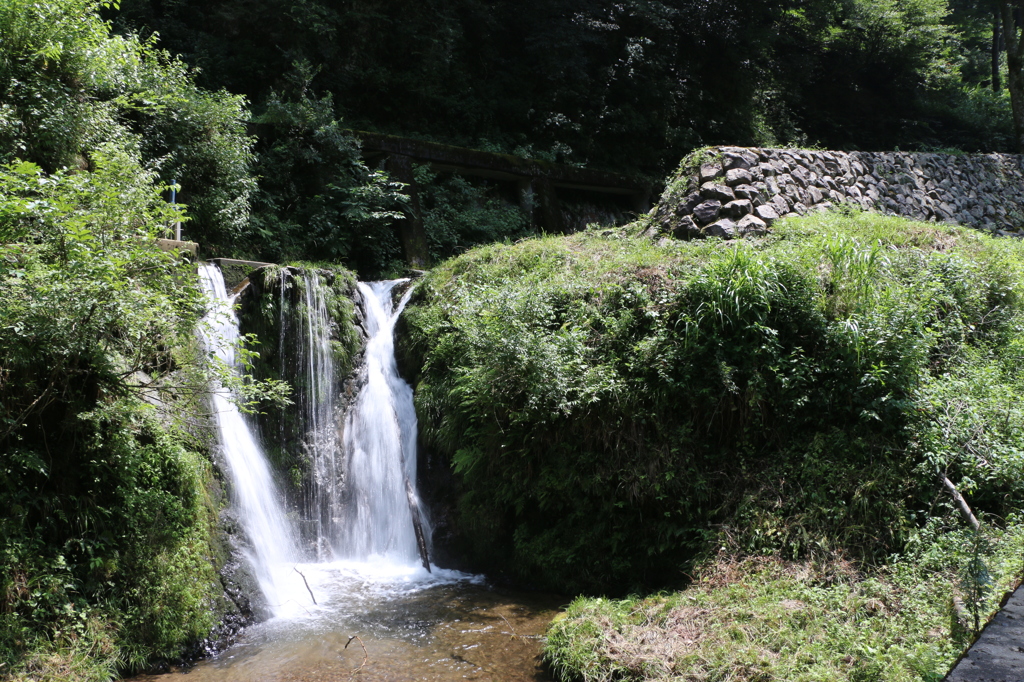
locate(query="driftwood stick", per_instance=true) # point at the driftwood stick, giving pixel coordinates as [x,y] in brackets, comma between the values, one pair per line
[366,656]
[515,635]
[295,568]
[965,509]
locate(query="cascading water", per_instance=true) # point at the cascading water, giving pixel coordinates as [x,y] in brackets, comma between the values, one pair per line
[412,625]
[382,511]
[317,404]
[359,499]
[252,487]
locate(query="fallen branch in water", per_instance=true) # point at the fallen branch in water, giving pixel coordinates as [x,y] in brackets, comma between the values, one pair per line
[307,584]
[515,634]
[366,656]
[275,606]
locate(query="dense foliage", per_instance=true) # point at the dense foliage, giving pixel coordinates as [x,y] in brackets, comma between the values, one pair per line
[67,86]
[317,198]
[459,214]
[108,552]
[614,409]
[625,85]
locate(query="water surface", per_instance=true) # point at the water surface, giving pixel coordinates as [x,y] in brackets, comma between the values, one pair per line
[414,626]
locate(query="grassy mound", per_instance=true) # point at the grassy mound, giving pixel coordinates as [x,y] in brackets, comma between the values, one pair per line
[616,411]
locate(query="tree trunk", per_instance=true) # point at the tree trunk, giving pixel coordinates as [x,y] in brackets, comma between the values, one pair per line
[961,503]
[997,84]
[410,231]
[1015,84]
[1015,66]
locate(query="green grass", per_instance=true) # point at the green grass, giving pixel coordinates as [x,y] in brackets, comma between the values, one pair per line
[845,561]
[765,619]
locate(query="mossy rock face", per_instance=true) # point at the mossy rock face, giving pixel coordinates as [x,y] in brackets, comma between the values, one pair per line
[234,274]
[272,309]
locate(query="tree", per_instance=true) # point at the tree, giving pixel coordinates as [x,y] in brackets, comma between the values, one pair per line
[1012,12]
[67,85]
[318,200]
[106,536]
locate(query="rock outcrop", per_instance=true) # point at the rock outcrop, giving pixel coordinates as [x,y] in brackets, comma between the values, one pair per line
[736,191]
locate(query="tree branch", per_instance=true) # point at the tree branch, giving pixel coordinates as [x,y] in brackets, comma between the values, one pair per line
[307,588]
[965,509]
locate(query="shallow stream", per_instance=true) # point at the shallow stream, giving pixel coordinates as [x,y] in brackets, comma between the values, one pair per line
[404,624]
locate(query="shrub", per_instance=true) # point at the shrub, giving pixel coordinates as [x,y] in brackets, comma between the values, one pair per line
[106,549]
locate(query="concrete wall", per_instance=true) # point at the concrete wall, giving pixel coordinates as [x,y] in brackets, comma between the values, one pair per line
[733,191]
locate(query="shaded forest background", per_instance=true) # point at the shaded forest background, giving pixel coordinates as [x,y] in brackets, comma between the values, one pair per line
[261,142]
[622,85]
[627,86]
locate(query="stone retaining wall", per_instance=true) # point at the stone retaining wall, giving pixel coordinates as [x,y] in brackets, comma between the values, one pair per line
[734,191]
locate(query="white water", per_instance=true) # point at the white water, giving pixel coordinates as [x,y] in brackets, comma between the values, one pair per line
[317,404]
[380,446]
[362,520]
[253,491]
[411,624]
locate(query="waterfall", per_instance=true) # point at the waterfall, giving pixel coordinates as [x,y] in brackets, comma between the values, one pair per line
[381,516]
[253,491]
[317,404]
[359,503]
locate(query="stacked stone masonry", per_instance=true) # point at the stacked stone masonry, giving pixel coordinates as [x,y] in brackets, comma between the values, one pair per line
[741,191]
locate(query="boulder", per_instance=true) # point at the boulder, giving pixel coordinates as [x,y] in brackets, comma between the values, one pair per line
[751,225]
[687,205]
[724,228]
[738,159]
[710,190]
[707,212]
[737,209]
[709,172]
[738,176]
[744,191]
[781,204]
[767,213]
[749,192]
[801,175]
[686,228]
